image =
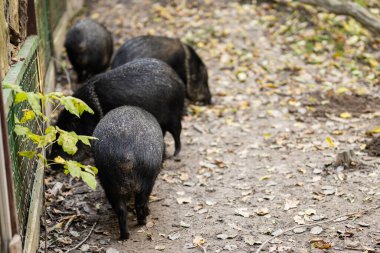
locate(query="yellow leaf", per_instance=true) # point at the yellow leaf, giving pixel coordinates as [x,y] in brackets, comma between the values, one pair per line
[59,160]
[338,132]
[267,136]
[345,115]
[266,177]
[373,63]
[375,130]
[341,90]
[244,105]
[330,142]
[199,240]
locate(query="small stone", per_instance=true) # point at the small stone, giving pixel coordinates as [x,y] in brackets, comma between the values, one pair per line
[184,200]
[222,236]
[74,233]
[362,224]
[112,250]
[174,236]
[189,246]
[316,230]
[277,232]
[159,247]
[352,244]
[85,247]
[184,224]
[230,247]
[299,230]
[328,190]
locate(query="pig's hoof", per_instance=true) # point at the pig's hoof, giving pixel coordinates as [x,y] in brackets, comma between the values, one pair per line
[177,158]
[124,236]
[141,222]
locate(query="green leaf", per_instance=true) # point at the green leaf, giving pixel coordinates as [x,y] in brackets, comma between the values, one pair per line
[17,121]
[21,96]
[89,179]
[51,130]
[28,115]
[73,168]
[49,137]
[34,101]
[75,105]
[90,169]
[35,138]
[13,87]
[59,160]
[28,154]
[68,141]
[21,130]
[86,139]
[55,95]
[69,105]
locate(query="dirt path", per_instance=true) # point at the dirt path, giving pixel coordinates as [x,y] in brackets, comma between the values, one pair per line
[257,161]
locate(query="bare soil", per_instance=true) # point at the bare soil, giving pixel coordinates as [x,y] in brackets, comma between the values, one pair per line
[256,162]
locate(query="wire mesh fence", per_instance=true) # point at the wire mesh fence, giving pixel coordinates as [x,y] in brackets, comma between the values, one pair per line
[29,72]
[44,33]
[25,75]
[56,10]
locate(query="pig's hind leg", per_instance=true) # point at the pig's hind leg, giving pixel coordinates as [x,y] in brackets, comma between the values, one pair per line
[142,199]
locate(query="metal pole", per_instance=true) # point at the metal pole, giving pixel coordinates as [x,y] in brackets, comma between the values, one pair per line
[8,165]
[5,217]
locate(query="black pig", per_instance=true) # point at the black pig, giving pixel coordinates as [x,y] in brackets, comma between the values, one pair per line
[128,154]
[147,83]
[89,46]
[181,57]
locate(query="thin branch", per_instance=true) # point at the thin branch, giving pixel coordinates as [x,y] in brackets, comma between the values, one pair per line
[314,224]
[84,240]
[348,8]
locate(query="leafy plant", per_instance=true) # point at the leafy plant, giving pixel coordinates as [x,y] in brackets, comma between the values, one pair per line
[47,136]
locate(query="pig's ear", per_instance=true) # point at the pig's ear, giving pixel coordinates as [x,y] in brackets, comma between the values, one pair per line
[82,46]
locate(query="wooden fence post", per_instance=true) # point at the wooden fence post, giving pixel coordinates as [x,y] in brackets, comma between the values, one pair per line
[4,37]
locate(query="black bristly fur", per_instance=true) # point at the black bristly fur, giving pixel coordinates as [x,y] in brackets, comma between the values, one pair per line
[173,52]
[128,154]
[147,83]
[89,46]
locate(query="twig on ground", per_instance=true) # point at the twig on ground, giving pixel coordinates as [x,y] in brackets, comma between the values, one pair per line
[314,224]
[203,248]
[84,240]
[361,249]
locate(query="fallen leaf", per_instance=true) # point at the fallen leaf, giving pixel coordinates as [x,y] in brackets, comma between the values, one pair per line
[243,212]
[184,200]
[345,115]
[330,142]
[250,240]
[198,240]
[290,203]
[159,247]
[375,130]
[321,244]
[266,177]
[262,211]
[299,220]
[310,211]
[174,236]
